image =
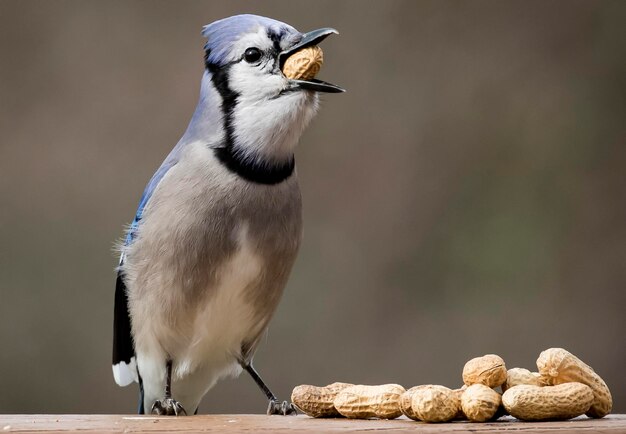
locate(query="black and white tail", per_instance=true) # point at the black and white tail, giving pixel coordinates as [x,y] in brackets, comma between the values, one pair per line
[124,362]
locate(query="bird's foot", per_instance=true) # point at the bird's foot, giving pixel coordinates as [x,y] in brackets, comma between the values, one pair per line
[168,407]
[283,408]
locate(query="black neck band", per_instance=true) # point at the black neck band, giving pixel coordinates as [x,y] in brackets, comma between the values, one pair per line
[260,173]
[251,169]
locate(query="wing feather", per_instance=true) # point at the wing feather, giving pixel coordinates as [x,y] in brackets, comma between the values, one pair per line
[124,362]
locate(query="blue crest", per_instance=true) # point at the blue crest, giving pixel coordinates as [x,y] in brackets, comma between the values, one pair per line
[223,34]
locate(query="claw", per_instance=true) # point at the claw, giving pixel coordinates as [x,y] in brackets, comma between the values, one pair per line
[168,407]
[284,408]
[288,409]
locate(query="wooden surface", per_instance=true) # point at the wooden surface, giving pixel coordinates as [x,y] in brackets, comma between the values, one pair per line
[236,423]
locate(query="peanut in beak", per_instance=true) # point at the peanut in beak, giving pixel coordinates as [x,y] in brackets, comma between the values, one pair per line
[304,64]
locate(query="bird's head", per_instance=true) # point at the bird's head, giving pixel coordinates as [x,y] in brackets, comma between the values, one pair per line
[264,112]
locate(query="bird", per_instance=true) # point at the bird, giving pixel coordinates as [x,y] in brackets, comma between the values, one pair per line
[206,258]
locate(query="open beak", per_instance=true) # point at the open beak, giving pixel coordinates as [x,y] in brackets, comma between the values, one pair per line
[309,39]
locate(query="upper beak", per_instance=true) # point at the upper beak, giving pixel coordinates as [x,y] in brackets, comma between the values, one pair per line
[308,39]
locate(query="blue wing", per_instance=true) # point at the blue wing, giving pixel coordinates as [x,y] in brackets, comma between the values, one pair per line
[124,364]
[169,162]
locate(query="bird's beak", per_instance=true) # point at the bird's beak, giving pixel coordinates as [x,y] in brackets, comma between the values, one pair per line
[309,39]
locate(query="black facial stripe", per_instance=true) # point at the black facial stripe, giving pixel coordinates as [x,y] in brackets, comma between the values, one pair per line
[219,77]
[250,169]
[276,38]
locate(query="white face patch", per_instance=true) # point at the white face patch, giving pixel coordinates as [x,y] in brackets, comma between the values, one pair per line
[267,124]
[270,131]
[257,80]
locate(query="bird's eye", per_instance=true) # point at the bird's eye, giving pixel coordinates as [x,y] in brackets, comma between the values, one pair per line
[252,55]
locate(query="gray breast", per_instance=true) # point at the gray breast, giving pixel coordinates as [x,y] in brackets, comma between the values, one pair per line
[189,231]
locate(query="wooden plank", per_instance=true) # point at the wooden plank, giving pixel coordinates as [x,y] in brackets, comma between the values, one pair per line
[240,423]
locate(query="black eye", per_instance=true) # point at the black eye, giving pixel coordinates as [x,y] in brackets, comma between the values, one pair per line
[252,55]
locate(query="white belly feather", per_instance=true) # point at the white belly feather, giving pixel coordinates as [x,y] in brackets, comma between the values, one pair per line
[228,319]
[215,335]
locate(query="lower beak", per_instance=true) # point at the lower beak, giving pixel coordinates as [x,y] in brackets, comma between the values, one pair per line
[309,39]
[317,85]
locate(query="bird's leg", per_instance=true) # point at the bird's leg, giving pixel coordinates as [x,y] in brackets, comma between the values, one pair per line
[168,406]
[275,406]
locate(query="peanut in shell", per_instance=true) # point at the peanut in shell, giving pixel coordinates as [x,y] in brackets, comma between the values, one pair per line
[405,403]
[304,64]
[480,403]
[558,366]
[459,414]
[365,402]
[536,403]
[517,376]
[489,370]
[434,403]
[317,401]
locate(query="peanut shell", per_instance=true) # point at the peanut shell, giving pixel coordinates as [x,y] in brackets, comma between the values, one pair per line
[304,64]
[565,401]
[433,403]
[364,402]
[489,370]
[405,403]
[480,403]
[459,414]
[517,376]
[558,366]
[317,401]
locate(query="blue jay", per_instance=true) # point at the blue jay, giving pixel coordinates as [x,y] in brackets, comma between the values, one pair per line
[206,258]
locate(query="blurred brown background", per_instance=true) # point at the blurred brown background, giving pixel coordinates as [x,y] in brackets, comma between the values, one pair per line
[467,195]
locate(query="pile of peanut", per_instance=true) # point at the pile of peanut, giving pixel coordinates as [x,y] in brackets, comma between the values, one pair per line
[563,388]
